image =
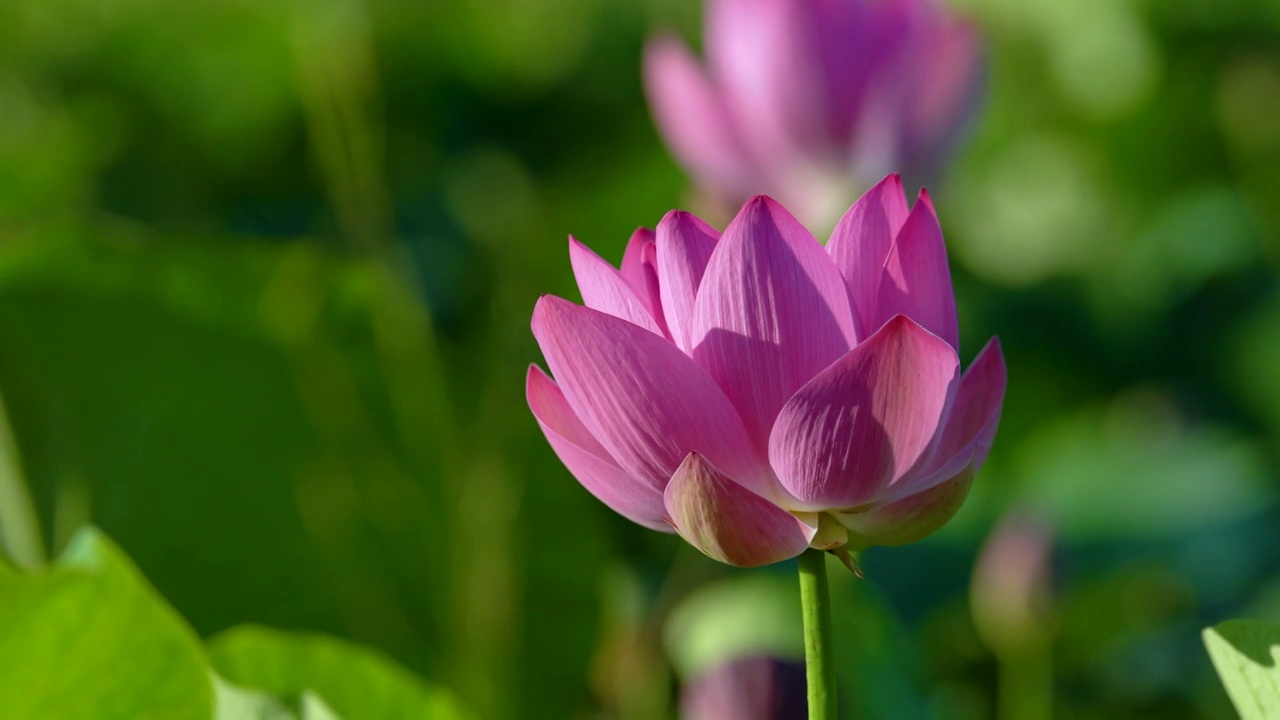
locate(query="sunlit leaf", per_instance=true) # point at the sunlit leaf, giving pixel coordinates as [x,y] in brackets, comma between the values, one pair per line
[90,639]
[1247,656]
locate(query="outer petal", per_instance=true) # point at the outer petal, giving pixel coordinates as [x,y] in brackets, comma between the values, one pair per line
[640,271]
[603,288]
[970,427]
[867,421]
[912,518]
[772,311]
[728,522]
[976,412]
[692,118]
[587,460]
[861,243]
[684,245]
[917,280]
[645,402]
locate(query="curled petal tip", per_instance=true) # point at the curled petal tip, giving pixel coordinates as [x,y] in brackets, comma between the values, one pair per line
[760,201]
[924,197]
[547,303]
[673,216]
[533,370]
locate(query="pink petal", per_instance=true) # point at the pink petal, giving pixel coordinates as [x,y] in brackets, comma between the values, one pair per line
[684,244]
[861,243]
[587,460]
[844,35]
[876,130]
[693,120]
[971,425]
[946,90]
[917,280]
[640,271]
[728,522]
[772,311]
[765,61]
[645,402]
[912,518]
[867,421]
[603,288]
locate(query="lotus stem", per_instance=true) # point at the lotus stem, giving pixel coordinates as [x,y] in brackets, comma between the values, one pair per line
[819,652]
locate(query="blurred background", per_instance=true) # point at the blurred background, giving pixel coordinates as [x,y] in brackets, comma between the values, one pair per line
[266,271]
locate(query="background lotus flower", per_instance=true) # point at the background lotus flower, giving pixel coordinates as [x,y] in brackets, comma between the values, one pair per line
[1011,600]
[1010,595]
[812,100]
[760,393]
[751,688]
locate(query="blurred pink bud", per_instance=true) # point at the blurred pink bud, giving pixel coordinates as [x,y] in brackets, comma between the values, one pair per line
[746,389]
[812,100]
[756,688]
[1011,583]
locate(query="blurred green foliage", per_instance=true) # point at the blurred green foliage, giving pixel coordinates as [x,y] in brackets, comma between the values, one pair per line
[265,277]
[89,639]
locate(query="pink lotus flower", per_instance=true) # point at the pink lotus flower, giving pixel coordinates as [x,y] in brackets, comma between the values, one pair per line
[750,688]
[812,100]
[759,393]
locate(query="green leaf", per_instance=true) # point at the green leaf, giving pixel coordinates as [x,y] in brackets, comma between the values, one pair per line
[356,682]
[90,639]
[1246,654]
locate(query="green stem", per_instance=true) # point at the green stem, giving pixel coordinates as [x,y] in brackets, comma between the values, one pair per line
[1025,682]
[819,652]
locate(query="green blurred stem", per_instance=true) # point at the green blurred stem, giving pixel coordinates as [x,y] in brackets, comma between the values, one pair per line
[819,652]
[19,526]
[1025,682]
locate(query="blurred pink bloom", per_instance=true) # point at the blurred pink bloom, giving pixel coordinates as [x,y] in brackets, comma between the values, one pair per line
[755,688]
[758,392]
[812,100]
[1010,594]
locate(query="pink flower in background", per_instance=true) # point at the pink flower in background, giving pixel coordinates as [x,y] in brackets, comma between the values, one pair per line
[760,393]
[812,100]
[752,688]
[1012,582]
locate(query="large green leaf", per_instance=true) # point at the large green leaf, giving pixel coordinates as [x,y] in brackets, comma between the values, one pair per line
[356,682]
[1246,654]
[90,639]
